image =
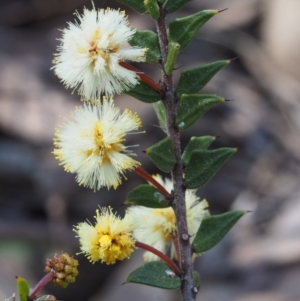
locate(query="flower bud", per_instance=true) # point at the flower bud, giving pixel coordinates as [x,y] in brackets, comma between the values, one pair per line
[65,268]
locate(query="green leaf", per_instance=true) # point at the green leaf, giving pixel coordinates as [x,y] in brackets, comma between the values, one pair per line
[162,154]
[213,228]
[192,80]
[152,8]
[174,5]
[196,278]
[155,274]
[144,93]
[196,143]
[137,5]
[203,164]
[147,39]
[23,288]
[173,50]
[147,196]
[183,30]
[193,106]
[161,114]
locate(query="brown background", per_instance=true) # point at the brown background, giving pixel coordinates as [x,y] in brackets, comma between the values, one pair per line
[39,203]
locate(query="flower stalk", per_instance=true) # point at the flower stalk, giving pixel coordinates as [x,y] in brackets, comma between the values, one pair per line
[145,78]
[161,255]
[141,172]
[47,278]
[170,102]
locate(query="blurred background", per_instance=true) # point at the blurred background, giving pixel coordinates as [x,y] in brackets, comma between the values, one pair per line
[39,202]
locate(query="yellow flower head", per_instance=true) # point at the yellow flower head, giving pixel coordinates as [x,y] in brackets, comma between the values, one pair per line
[90,52]
[92,146]
[109,240]
[157,227]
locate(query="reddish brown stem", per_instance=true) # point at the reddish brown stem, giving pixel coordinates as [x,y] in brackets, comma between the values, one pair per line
[47,278]
[145,78]
[161,255]
[141,172]
[176,245]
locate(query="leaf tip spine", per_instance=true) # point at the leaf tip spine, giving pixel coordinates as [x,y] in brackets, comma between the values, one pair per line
[221,10]
[233,59]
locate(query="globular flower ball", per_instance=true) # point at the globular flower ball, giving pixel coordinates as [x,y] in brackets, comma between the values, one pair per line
[109,240]
[90,52]
[91,145]
[158,228]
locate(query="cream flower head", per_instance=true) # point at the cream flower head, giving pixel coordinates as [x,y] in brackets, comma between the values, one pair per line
[109,240]
[157,227]
[90,51]
[91,145]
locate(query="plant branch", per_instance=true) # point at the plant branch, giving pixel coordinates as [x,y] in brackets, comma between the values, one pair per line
[170,102]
